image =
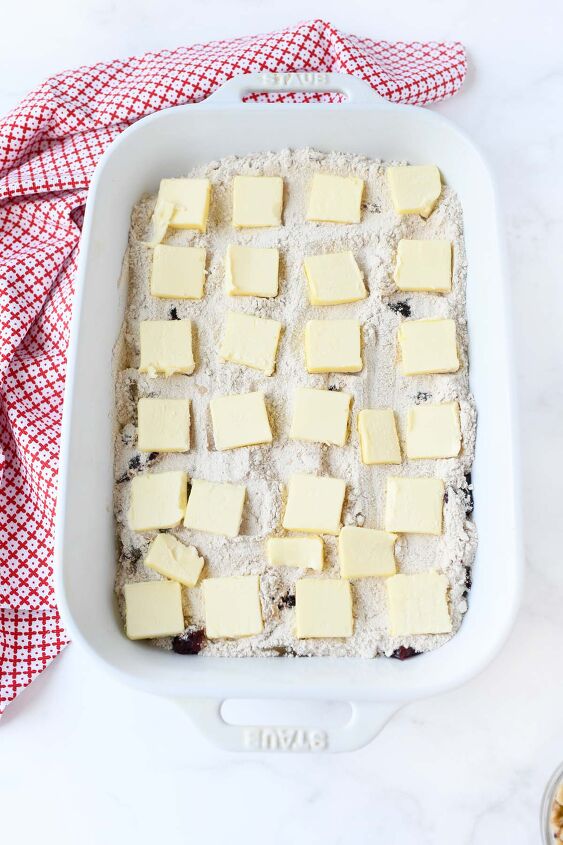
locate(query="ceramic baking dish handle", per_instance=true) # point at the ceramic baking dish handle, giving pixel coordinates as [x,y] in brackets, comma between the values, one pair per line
[366,720]
[236,89]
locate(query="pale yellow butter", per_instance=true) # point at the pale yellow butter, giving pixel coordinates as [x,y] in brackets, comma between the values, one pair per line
[190,199]
[251,271]
[418,604]
[174,560]
[215,508]
[379,441]
[320,416]
[323,608]
[424,266]
[333,346]
[414,505]
[166,347]
[257,201]
[250,341]
[178,272]
[434,431]
[365,552]
[335,199]
[153,609]
[232,606]
[415,189]
[334,278]
[299,552]
[163,425]
[428,346]
[158,500]
[314,504]
[240,419]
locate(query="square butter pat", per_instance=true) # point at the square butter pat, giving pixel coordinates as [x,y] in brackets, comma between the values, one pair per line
[323,608]
[232,606]
[418,604]
[178,272]
[257,201]
[424,266]
[190,201]
[335,199]
[250,341]
[365,552]
[414,505]
[320,416]
[239,420]
[428,346]
[252,271]
[299,552]
[415,189]
[379,441]
[153,609]
[334,278]
[215,508]
[158,500]
[163,425]
[174,560]
[314,504]
[333,346]
[166,347]
[434,431]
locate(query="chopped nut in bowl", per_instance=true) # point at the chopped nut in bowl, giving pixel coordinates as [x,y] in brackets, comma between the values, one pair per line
[552,808]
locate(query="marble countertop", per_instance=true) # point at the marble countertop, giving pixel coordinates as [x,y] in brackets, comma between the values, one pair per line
[86,759]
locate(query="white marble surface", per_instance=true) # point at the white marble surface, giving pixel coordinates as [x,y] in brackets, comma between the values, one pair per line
[84,759]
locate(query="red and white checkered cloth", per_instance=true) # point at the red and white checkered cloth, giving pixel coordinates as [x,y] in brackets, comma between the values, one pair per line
[49,146]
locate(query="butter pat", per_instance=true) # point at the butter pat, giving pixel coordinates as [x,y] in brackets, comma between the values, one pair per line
[424,266]
[333,279]
[174,560]
[240,419]
[178,272]
[366,553]
[163,425]
[434,431]
[335,199]
[314,504]
[323,608]
[232,606]
[166,347]
[153,609]
[333,346]
[418,604]
[252,271]
[250,341]
[415,189]
[215,508]
[190,200]
[257,201]
[299,552]
[320,416]
[428,346]
[158,500]
[379,442]
[414,505]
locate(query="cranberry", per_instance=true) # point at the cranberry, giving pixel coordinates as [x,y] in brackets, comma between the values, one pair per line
[189,643]
[402,308]
[404,652]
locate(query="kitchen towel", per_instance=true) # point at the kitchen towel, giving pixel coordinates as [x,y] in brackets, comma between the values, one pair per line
[49,147]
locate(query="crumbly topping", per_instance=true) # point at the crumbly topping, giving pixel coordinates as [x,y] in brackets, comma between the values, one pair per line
[265,470]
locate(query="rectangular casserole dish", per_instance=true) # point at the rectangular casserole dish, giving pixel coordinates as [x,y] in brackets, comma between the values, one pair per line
[169,143]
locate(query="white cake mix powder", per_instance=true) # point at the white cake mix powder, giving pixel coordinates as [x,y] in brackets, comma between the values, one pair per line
[265,470]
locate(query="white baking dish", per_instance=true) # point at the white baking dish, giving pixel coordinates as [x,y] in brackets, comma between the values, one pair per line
[168,144]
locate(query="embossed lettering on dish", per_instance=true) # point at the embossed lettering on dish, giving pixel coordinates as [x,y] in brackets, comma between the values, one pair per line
[294,80]
[285,739]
